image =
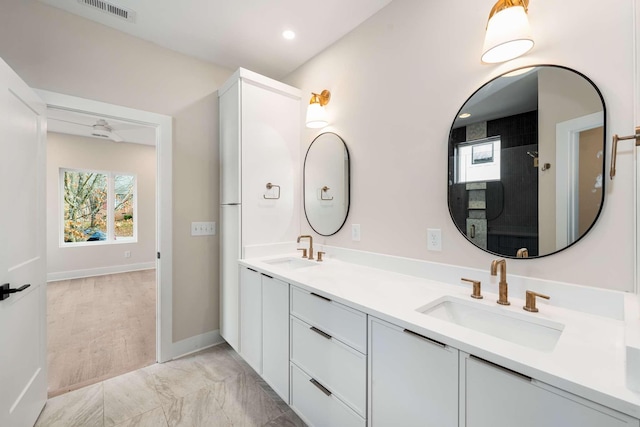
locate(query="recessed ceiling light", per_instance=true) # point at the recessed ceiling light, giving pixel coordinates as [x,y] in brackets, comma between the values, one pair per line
[288,34]
[464,115]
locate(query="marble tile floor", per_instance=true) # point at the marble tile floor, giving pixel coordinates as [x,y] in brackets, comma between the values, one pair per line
[214,387]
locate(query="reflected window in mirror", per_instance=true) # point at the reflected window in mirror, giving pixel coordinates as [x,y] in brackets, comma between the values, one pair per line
[478,160]
[543,127]
[327,184]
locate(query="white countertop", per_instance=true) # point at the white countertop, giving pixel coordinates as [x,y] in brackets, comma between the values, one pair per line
[588,359]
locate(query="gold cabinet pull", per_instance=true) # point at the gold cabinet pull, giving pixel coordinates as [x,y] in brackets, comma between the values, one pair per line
[614,148]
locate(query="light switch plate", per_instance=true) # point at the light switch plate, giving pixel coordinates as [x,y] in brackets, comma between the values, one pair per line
[355,232]
[203,228]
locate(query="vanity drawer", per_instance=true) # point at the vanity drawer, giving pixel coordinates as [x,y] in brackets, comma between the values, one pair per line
[337,366]
[317,406]
[339,321]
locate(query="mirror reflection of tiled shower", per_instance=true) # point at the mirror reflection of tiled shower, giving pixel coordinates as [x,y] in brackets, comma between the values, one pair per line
[477,196]
[477,213]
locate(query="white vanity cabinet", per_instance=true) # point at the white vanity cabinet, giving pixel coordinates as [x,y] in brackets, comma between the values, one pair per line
[413,380]
[264,328]
[497,397]
[340,364]
[328,361]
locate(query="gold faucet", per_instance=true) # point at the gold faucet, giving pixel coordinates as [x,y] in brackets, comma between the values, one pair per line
[502,286]
[310,244]
[531,301]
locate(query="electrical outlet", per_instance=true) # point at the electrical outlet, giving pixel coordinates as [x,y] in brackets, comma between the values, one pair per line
[355,232]
[434,239]
[203,228]
[127,254]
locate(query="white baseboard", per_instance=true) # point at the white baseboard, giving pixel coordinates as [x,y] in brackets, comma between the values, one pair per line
[78,274]
[196,343]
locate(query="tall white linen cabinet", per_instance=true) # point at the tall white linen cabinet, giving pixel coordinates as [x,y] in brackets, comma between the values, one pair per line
[259,177]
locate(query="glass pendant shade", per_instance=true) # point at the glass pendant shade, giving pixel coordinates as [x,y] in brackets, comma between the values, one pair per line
[316,116]
[508,35]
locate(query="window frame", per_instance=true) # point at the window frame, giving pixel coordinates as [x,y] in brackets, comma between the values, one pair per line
[460,176]
[111,238]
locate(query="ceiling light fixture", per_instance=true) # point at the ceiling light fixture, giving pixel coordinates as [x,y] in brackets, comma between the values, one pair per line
[316,114]
[508,33]
[288,34]
[464,115]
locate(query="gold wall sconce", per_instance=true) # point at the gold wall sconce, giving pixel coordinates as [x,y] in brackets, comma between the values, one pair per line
[508,32]
[316,113]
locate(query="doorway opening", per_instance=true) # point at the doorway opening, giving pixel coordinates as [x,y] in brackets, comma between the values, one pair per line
[116,232]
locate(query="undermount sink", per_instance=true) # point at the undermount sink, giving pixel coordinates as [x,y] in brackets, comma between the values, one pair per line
[291,263]
[539,334]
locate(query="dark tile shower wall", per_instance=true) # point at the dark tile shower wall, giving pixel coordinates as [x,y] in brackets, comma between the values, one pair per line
[512,204]
[457,192]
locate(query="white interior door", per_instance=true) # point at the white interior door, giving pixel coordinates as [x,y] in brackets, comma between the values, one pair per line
[636,105]
[23,373]
[567,179]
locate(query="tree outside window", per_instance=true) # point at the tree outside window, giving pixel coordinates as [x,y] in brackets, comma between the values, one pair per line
[123,211]
[97,206]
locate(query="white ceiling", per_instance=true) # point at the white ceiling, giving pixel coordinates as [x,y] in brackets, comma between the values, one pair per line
[505,96]
[237,33]
[81,124]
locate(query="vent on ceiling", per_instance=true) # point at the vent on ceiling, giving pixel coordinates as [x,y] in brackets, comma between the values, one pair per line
[111,9]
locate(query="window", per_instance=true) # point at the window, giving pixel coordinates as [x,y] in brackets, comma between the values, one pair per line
[97,207]
[478,160]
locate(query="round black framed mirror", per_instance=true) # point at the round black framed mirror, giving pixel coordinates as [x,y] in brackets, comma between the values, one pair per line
[527,162]
[326,184]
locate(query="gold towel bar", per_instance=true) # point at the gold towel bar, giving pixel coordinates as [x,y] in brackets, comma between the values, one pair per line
[614,148]
[269,187]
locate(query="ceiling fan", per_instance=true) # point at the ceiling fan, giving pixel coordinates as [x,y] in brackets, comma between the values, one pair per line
[100,129]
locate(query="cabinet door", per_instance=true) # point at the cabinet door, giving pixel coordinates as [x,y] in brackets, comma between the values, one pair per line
[230,145]
[251,318]
[496,397]
[270,153]
[413,381]
[229,274]
[275,335]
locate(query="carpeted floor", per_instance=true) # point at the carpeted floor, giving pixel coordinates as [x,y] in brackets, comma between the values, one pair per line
[99,327]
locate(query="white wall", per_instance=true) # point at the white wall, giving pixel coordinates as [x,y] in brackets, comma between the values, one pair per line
[76,152]
[578,100]
[397,82]
[60,52]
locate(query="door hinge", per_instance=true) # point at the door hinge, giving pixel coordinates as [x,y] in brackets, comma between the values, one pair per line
[158,255]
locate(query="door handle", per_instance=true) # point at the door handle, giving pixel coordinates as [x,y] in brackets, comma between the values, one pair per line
[5,291]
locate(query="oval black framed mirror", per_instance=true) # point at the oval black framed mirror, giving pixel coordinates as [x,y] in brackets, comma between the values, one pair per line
[326,184]
[527,161]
